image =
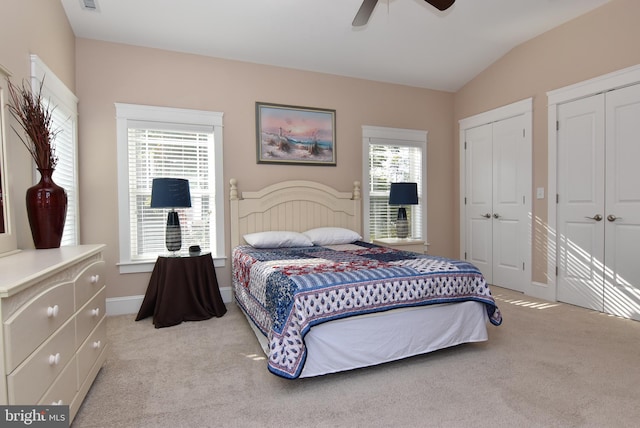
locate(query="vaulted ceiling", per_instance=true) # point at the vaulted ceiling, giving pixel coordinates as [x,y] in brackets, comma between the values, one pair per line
[407,42]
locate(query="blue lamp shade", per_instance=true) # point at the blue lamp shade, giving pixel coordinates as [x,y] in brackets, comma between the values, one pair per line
[403,194]
[171,193]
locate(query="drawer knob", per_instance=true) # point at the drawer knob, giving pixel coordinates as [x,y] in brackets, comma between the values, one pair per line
[94,279]
[57,403]
[95,312]
[54,359]
[97,344]
[52,311]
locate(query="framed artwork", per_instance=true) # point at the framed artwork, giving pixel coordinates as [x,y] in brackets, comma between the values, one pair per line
[295,135]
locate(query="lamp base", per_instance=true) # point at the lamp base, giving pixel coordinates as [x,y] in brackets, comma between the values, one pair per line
[173,237]
[402,224]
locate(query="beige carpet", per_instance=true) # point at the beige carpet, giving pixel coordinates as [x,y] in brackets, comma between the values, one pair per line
[548,365]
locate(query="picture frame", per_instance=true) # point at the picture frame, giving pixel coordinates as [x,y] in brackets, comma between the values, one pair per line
[296,135]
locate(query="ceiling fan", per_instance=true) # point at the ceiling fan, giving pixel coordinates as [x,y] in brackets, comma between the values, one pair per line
[362,17]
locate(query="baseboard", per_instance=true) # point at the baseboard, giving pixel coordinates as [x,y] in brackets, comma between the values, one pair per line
[227,294]
[131,304]
[542,291]
[124,305]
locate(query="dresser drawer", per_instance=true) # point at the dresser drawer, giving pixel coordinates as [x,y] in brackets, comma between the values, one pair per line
[64,388]
[35,375]
[29,326]
[91,349]
[88,282]
[88,317]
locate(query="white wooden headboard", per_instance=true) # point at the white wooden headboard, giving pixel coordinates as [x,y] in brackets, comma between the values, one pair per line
[296,205]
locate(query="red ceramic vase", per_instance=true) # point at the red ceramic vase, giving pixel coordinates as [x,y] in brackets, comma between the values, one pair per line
[47,211]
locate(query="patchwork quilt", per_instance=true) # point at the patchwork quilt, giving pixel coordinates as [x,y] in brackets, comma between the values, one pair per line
[287,291]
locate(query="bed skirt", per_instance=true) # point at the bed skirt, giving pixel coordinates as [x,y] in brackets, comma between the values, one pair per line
[368,340]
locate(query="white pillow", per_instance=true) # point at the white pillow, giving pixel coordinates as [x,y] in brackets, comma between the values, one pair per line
[277,239]
[332,236]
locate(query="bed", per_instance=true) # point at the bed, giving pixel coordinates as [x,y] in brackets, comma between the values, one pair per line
[320,300]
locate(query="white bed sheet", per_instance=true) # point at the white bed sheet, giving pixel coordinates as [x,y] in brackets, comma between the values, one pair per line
[349,343]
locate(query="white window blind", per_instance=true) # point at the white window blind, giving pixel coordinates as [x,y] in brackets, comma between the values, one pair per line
[65,173]
[393,163]
[64,119]
[170,151]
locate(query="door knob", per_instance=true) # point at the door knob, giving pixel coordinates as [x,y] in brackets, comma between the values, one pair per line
[611,217]
[496,215]
[596,217]
[487,215]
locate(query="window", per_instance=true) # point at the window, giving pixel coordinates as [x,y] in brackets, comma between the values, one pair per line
[166,142]
[64,119]
[393,155]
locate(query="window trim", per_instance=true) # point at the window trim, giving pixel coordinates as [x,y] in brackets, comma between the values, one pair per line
[385,135]
[137,112]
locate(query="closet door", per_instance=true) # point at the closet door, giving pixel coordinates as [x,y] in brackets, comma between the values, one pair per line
[598,210]
[479,198]
[510,188]
[497,163]
[580,202]
[622,219]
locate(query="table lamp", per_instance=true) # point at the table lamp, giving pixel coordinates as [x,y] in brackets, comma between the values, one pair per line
[403,194]
[171,193]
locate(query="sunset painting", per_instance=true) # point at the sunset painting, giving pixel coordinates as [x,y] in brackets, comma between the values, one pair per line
[300,135]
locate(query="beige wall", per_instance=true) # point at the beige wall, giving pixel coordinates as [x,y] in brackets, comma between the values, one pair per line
[104,73]
[31,27]
[597,43]
[108,73]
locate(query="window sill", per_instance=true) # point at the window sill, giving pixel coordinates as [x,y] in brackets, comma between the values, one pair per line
[144,266]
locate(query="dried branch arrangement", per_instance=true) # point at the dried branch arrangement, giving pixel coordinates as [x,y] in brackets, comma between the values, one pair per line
[36,121]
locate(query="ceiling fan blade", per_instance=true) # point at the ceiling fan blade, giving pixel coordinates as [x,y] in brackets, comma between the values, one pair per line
[362,17]
[441,4]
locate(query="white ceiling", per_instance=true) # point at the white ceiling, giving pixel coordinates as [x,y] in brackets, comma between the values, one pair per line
[406,41]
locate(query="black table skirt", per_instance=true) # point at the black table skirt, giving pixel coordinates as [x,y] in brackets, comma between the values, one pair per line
[182,289]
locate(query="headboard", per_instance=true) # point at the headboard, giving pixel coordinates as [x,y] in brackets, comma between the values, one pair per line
[295,205]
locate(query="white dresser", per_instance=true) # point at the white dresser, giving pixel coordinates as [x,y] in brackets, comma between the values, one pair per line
[53,335]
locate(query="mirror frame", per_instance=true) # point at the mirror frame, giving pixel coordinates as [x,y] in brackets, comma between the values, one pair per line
[8,241]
